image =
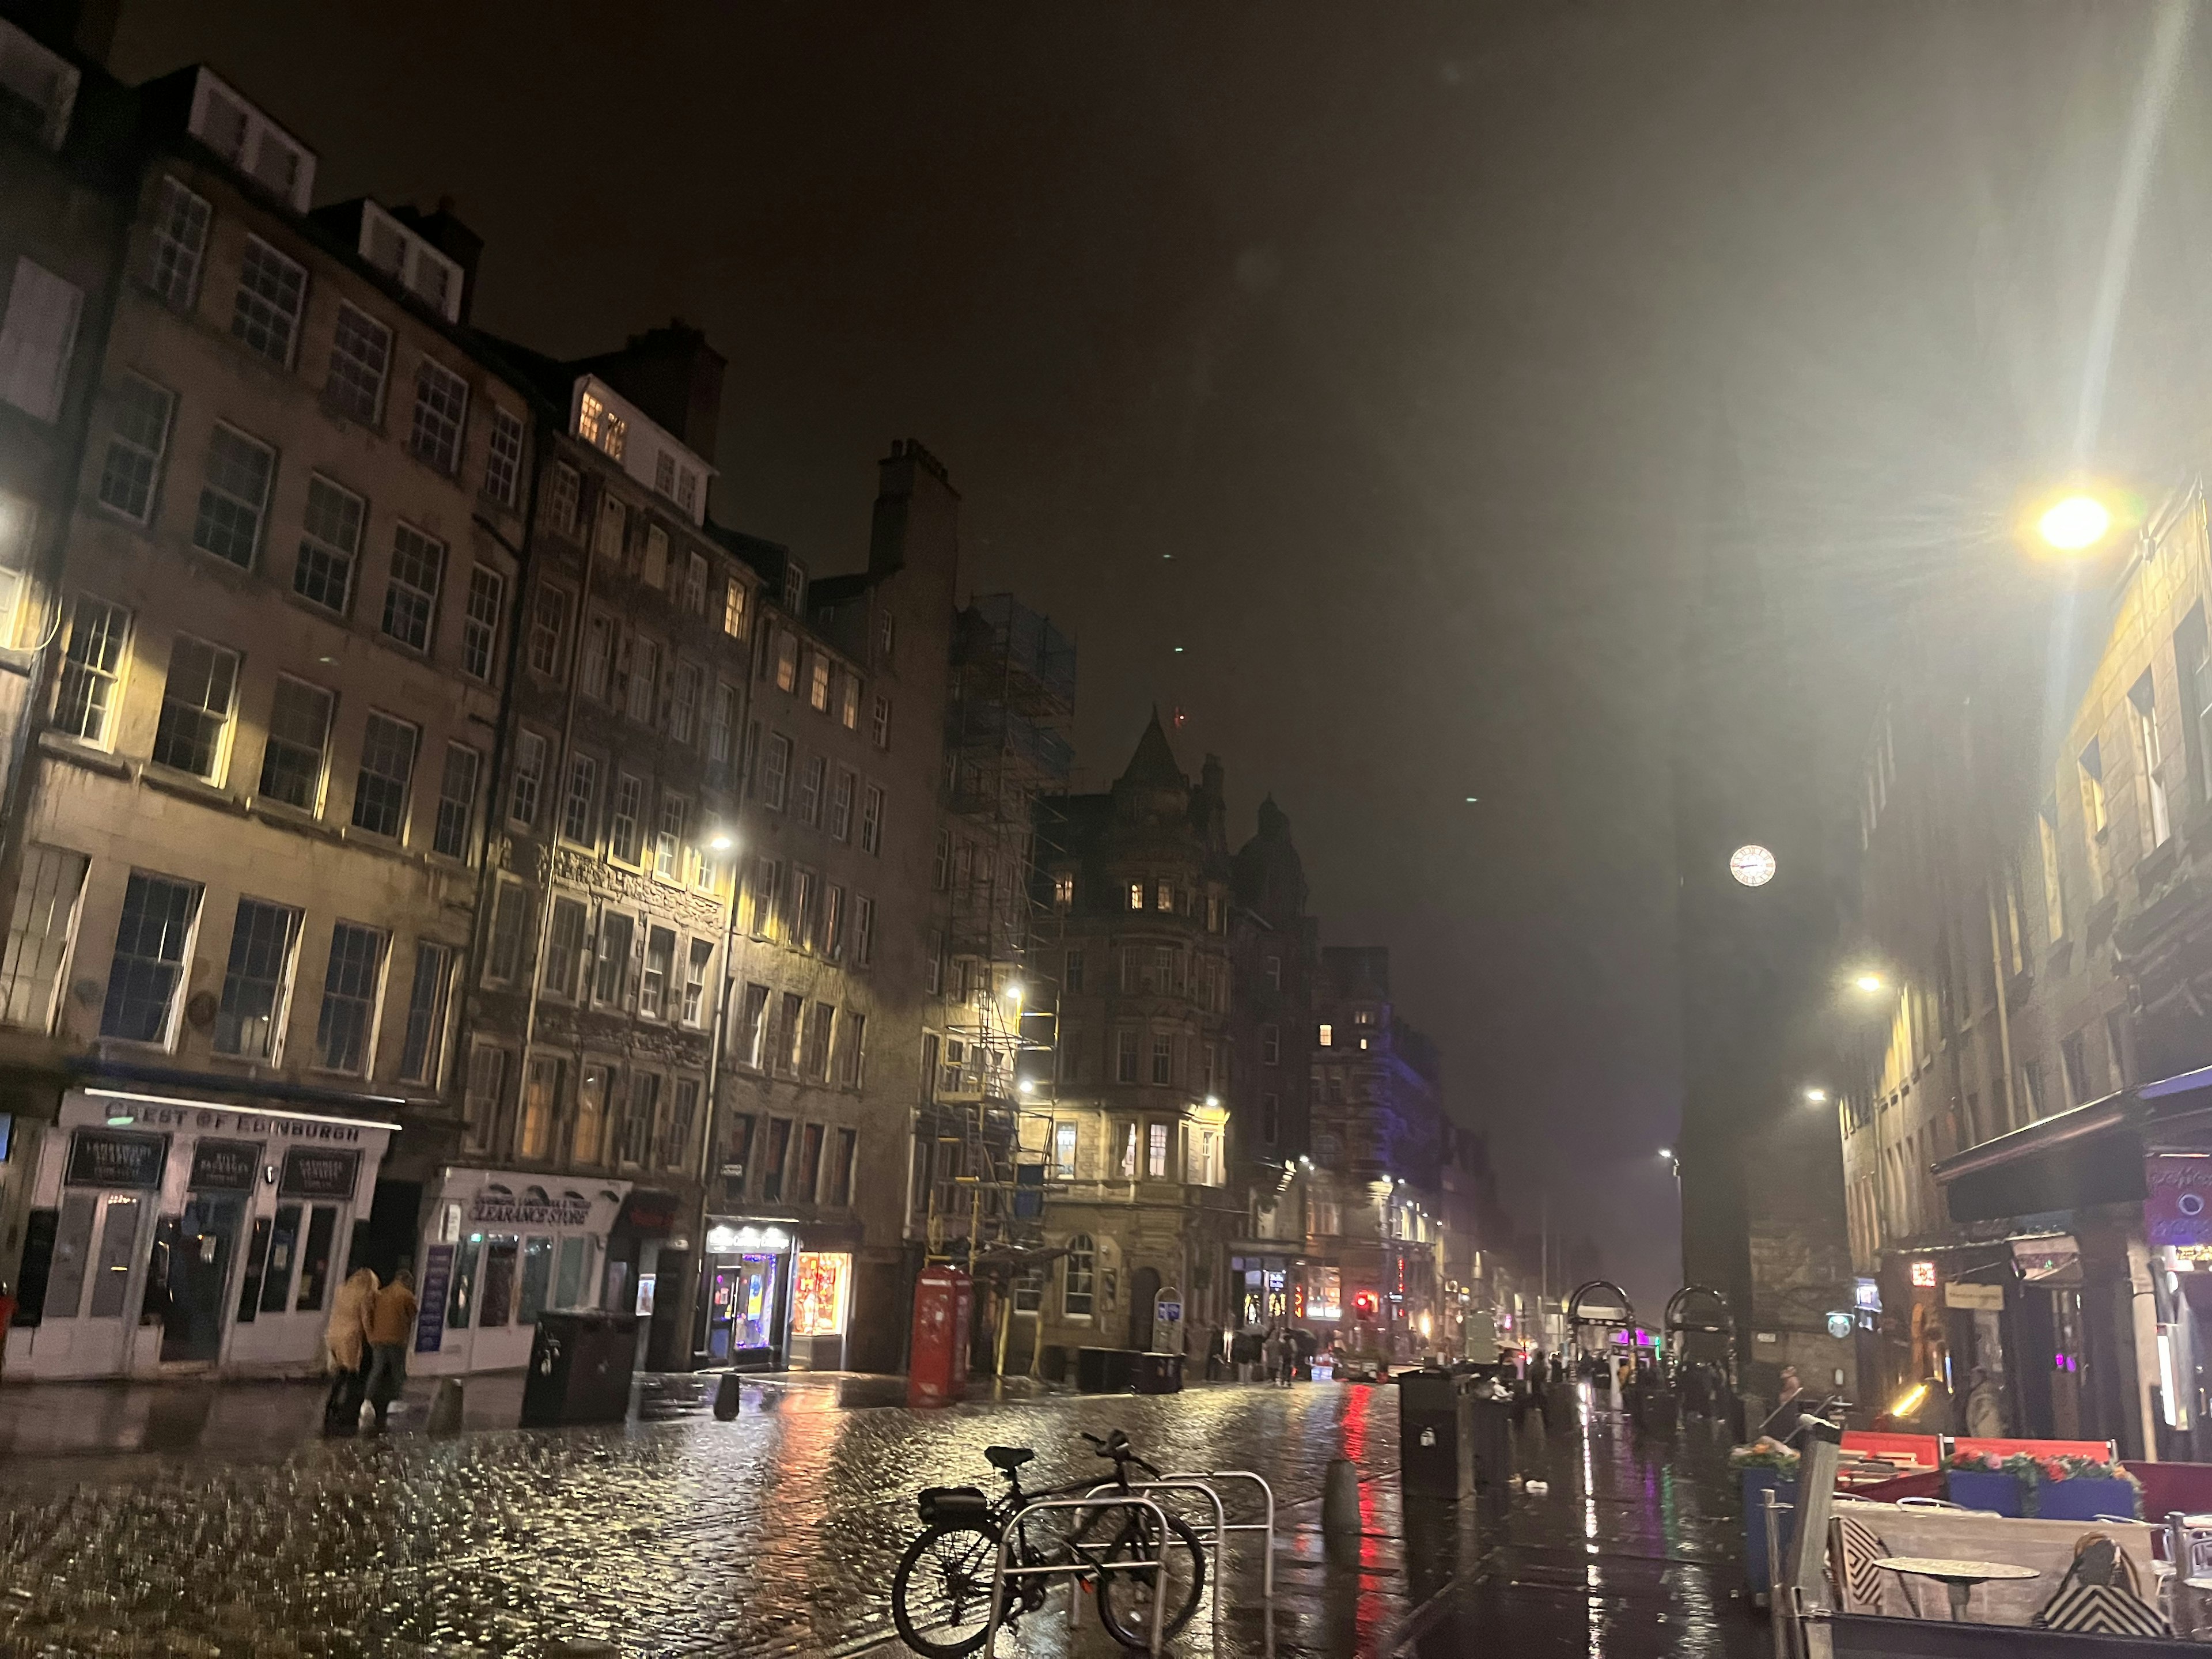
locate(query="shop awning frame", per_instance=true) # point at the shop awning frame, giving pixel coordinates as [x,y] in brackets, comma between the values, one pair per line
[2092,1154]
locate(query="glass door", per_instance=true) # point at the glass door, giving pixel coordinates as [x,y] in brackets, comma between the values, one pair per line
[199,1274]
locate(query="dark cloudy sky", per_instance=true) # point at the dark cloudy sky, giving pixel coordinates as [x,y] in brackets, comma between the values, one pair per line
[1376,354]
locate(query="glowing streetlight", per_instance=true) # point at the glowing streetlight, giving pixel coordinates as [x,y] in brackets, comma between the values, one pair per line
[1014,992]
[2075,525]
[1818,1097]
[1666,1152]
[1029,1085]
[1867,982]
[722,843]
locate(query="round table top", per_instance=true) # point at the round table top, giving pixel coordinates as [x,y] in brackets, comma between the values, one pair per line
[1976,1572]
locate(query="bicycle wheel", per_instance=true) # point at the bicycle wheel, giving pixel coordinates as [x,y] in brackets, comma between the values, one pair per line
[941,1593]
[1124,1599]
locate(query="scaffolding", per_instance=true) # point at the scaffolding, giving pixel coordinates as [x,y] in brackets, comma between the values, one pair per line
[986,1114]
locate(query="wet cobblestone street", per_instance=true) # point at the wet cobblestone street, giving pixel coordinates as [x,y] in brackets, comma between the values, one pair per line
[777,1533]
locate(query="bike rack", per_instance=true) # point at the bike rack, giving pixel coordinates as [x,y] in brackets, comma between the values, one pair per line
[1178,1482]
[1268,1493]
[1001,1571]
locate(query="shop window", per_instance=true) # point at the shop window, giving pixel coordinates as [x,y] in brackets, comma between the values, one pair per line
[537,1278]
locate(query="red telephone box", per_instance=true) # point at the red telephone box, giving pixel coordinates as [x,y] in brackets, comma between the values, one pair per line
[937,1373]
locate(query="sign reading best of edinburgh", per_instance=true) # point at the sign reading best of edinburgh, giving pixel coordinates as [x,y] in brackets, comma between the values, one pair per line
[103,1158]
[2178,1201]
[318,1172]
[224,1166]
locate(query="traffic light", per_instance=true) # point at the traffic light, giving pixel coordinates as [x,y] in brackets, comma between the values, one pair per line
[1362,1304]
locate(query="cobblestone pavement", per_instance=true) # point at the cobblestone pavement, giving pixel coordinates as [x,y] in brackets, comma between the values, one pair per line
[777,1533]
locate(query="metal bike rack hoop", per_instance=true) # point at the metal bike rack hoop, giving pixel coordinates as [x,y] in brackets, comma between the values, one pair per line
[1001,1571]
[1178,1482]
[1267,1492]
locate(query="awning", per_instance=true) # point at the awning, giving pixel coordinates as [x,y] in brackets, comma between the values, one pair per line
[2091,1155]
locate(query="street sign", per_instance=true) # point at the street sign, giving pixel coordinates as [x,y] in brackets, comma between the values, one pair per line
[1167,1306]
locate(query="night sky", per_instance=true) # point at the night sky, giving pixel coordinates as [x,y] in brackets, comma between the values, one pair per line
[1383,357]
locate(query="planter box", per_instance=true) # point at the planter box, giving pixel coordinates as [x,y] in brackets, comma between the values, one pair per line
[1758,1574]
[2085,1500]
[1979,1489]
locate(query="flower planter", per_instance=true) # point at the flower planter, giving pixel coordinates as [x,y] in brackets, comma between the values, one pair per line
[1979,1489]
[2085,1500]
[1757,1573]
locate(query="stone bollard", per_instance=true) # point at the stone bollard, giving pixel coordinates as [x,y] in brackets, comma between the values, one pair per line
[446,1407]
[1339,1500]
[726,1396]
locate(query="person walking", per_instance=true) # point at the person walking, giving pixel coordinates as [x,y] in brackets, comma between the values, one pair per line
[391,1328]
[1270,1355]
[346,1341]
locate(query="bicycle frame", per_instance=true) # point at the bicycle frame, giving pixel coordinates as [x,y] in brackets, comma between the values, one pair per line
[1032,1567]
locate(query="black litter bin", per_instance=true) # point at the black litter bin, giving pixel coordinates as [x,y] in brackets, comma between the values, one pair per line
[1490,1422]
[1105,1370]
[1436,1435]
[1158,1373]
[580,1367]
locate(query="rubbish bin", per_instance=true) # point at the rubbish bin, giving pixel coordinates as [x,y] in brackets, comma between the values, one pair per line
[1158,1373]
[1491,1426]
[580,1368]
[1103,1371]
[1436,1435]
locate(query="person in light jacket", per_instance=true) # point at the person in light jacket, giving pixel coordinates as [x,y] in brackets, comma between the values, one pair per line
[391,1328]
[345,1339]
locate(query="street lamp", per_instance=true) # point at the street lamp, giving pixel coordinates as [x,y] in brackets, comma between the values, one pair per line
[1867,982]
[2075,525]
[1818,1097]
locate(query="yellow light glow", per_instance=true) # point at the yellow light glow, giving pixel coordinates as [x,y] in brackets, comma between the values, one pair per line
[2075,525]
[1909,1402]
[1868,981]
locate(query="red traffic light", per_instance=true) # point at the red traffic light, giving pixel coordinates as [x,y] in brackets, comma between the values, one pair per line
[1362,1304]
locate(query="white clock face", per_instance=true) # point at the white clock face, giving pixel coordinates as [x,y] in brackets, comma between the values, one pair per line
[1752,866]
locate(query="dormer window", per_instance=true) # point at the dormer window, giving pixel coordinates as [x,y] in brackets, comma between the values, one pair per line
[599,426]
[242,135]
[430,275]
[38,88]
[795,585]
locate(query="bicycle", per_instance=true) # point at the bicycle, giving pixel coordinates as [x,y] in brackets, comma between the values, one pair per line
[941,1593]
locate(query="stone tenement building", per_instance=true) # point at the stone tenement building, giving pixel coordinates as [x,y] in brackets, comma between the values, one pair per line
[243,838]
[2023,1129]
[1139,1201]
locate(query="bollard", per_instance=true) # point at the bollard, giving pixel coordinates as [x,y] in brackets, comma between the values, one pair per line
[446,1407]
[726,1396]
[1339,1500]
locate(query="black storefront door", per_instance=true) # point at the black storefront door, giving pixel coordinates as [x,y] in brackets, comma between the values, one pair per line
[199,1272]
[1144,1289]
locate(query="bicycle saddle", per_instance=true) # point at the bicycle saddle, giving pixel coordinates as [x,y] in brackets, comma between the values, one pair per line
[1008,1458]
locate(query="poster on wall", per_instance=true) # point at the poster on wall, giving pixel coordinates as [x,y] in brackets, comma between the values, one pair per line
[819,1280]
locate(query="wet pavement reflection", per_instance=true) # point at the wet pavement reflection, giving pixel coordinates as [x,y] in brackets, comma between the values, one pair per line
[182,1526]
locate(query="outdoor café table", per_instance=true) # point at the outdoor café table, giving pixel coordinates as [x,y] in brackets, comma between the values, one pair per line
[1958,1577]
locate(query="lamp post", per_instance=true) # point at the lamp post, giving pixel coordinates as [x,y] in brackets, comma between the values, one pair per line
[723,843]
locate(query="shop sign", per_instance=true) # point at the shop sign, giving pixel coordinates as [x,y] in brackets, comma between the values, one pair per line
[430,1309]
[1923,1275]
[2177,1200]
[1978,1298]
[224,1166]
[1840,1325]
[820,1282]
[316,1172]
[2052,1256]
[532,1209]
[722,1239]
[104,1157]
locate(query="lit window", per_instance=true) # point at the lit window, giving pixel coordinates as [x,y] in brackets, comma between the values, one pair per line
[818,688]
[92,669]
[733,608]
[599,426]
[1156,1151]
[1328,1036]
[1064,1137]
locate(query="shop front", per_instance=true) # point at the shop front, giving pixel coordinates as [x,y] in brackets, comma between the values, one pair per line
[170,1235]
[773,1298]
[498,1248]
